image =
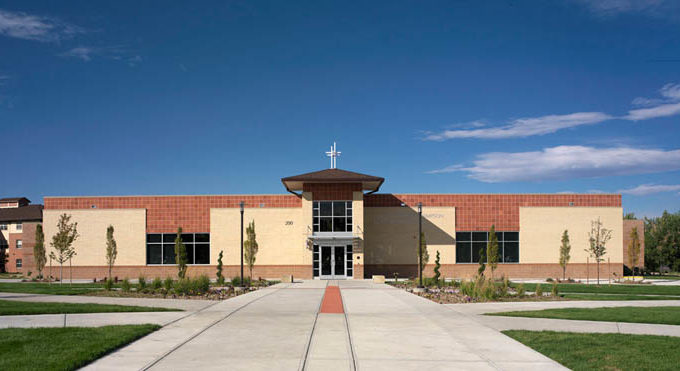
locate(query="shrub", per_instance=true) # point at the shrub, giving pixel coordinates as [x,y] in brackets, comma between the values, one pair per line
[183,286]
[108,284]
[555,291]
[467,288]
[520,290]
[236,281]
[549,279]
[168,283]
[125,286]
[201,285]
[142,283]
[539,290]
[503,290]
[157,284]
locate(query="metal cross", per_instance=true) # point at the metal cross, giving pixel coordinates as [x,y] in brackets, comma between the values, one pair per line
[333,154]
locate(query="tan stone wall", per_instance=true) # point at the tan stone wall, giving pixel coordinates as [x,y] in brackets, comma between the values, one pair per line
[391,234]
[281,236]
[130,234]
[541,233]
[358,255]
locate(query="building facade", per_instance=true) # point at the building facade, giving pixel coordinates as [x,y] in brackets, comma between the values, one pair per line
[334,224]
[18,220]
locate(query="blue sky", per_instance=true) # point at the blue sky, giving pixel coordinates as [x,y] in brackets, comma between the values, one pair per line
[436,96]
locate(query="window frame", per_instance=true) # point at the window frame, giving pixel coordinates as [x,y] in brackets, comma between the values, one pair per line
[162,242]
[4,226]
[348,216]
[19,263]
[19,244]
[19,226]
[471,241]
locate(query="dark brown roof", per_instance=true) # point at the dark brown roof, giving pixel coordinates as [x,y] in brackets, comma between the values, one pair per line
[369,182]
[15,199]
[21,214]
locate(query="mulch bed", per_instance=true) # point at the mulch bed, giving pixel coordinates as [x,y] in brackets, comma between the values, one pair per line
[452,295]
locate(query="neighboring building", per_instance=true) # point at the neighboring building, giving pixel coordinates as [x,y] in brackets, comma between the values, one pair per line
[335,225]
[18,219]
[628,225]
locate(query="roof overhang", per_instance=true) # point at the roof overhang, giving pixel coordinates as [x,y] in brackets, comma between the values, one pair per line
[368,183]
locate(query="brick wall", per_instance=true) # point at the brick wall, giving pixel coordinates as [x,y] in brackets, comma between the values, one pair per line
[478,212]
[165,213]
[330,192]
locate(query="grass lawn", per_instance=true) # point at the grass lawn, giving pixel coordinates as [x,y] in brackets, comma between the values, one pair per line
[12,307]
[673,276]
[606,289]
[64,348]
[660,315]
[577,296]
[604,351]
[46,288]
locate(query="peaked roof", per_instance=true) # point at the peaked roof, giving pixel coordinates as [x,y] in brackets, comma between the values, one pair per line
[21,214]
[15,199]
[368,182]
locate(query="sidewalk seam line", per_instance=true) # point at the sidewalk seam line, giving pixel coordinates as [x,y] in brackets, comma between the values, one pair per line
[349,334]
[192,337]
[303,362]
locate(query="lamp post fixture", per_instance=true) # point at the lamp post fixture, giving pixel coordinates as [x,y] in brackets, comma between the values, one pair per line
[420,244]
[242,204]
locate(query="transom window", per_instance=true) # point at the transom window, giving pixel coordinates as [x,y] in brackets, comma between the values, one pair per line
[160,248]
[332,216]
[469,244]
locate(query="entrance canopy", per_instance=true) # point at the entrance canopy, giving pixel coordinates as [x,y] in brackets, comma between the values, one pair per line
[333,176]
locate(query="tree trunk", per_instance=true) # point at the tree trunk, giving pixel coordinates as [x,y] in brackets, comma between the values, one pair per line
[564,273]
[61,273]
[598,272]
[110,272]
[70,272]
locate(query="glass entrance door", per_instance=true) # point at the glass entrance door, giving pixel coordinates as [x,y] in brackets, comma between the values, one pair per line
[333,262]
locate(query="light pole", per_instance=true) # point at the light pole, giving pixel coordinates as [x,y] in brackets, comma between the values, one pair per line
[242,204]
[420,244]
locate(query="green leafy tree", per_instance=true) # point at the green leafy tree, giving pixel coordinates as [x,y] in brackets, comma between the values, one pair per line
[180,254]
[220,277]
[437,266]
[250,247]
[634,249]
[62,243]
[3,258]
[629,216]
[599,236]
[482,262]
[662,242]
[492,250]
[565,250]
[39,255]
[111,249]
[422,254]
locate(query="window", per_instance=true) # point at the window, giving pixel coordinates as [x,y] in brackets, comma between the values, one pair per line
[19,263]
[20,244]
[469,245]
[160,248]
[332,216]
[20,226]
[3,226]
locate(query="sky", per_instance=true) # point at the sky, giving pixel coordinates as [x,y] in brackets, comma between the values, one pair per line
[224,97]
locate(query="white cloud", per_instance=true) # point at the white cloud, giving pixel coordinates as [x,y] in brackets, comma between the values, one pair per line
[525,127]
[567,162]
[656,8]
[646,189]
[87,53]
[31,27]
[667,105]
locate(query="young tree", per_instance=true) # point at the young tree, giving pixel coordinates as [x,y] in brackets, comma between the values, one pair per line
[437,266]
[180,255]
[482,262]
[565,249]
[424,256]
[39,250]
[62,243]
[629,216]
[220,277]
[599,236]
[111,249]
[250,247]
[634,249]
[492,250]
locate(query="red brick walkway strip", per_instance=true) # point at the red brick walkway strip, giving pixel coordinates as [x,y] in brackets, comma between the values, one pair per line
[332,301]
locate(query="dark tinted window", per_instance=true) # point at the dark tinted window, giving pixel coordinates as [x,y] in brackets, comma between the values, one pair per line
[169,237]
[202,254]
[479,236]
[463,236]
[511,252]
[463,254]
[476,248]
[156,237]
[154,254]
[511,236]
[202,237]
[168,254]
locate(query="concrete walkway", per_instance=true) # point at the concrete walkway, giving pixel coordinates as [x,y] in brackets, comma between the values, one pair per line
[382,328]
[481,308]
